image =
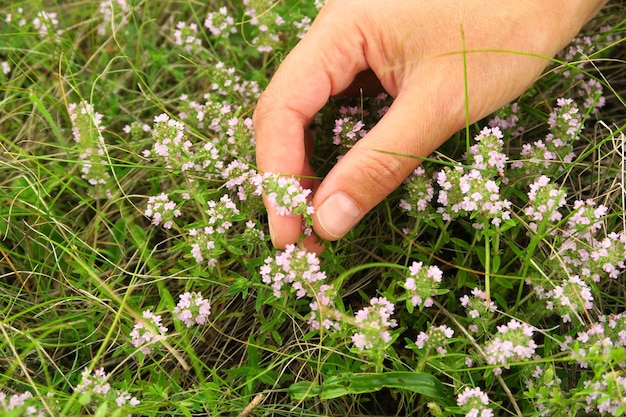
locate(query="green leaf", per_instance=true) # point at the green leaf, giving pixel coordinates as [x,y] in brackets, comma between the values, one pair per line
[240,285]
[304,390]
[361,383]
[102,410]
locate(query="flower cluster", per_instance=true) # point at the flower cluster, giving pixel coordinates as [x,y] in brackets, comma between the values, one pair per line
[513,342]
[607,395]
[595,258]
[242,179]
[373,323]
[253,234]
[596,343]
[187,36]
[419,194]
[572,297]
[474,403]
[233,134]
[301,270]
[203,247]
[215,114]
[97,385]
[585,219]
[565,124]
[265,23]
[506,119]
[207,242]
[543,384]
[348,129]
[544,201]
[422,283]
[600,348]
[450,195]
[435,338]
[473,191]
[478,309]
[261,22]
[354,122]
[465,193]
[302,26]
[288,197]
[162,210]
[114,15]
[46,24]
[582,250]
[487,153]
[577,54]
[87,131]
[192,309]
[220,23]
[220,214]
[147,332]
[292,266]
[170,143]
[22,402]
[227,83]
[5,68]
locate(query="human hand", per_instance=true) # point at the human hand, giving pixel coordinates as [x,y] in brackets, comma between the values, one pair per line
[415,49]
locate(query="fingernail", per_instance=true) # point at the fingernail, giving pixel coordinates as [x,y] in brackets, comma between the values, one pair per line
[272,234]
[337,214]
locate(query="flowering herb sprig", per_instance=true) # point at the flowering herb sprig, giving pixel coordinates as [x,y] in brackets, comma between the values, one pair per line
[545,200]
[474,403]
[512,343]
[220,23]
[347,131]
[373,324]
[87,131]
[114,15]
[301,271]
[419,194]
[192,309]
[471,194]
[148,332]
[571,298]
[295,267]
[487,153]
[186,35]
[162,211]
[171,144]
[22,403]
[555,151]
[95,388]
[288,197]
[478,309]
[241,179]
[436,338]
[422,284]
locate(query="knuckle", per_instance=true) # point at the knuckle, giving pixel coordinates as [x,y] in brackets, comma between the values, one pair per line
[383,172]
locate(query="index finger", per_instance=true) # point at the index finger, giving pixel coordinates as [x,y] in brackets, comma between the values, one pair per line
[324,63]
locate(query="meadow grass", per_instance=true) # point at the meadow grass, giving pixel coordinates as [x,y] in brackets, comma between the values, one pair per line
[136,272]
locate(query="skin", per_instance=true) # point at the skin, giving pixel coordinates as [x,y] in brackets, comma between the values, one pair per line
[413,50]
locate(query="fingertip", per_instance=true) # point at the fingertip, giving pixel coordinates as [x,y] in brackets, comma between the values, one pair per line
[284,230]
[313,244]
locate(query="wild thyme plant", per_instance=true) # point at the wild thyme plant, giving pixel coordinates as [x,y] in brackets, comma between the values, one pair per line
[138,278]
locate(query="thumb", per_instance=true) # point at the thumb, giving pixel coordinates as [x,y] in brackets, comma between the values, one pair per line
[375,165]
